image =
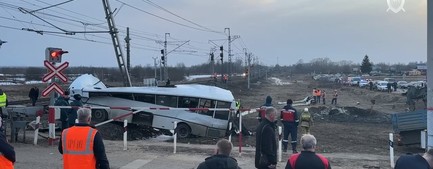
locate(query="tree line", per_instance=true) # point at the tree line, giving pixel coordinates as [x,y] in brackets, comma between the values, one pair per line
[178,72]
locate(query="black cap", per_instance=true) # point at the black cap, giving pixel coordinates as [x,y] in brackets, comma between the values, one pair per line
[289,101]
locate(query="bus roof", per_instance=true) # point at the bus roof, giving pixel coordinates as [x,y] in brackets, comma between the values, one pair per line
[89,83]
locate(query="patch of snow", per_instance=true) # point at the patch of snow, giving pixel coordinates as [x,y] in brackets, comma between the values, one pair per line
[279,82]
[9,83]
[192,77]
[33,82]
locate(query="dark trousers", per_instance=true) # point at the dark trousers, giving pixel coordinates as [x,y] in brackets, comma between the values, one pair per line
[323,100]
[33,101]
[334,101]
[290,128]
[318,99]
[64,120]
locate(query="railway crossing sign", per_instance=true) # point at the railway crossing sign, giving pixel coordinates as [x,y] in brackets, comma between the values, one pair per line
[52,87]
[55,71]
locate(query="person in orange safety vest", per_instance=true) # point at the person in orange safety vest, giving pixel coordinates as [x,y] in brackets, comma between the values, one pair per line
[7,152]
[82,145]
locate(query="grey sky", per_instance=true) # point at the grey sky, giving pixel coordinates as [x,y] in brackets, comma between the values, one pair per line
[289,30]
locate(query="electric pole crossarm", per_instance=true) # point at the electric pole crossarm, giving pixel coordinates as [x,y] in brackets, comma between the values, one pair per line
[116,43]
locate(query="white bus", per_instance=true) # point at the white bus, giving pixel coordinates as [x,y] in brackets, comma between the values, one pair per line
[200,123]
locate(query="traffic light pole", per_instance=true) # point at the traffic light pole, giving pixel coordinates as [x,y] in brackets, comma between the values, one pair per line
[165,58]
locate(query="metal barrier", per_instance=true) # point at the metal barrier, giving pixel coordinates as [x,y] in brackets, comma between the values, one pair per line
[54,113]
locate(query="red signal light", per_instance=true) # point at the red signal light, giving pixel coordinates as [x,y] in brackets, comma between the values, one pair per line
[58,53]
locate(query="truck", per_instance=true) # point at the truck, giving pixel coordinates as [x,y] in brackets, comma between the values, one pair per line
[408,126]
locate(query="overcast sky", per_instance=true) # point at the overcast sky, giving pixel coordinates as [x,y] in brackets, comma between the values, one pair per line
[282,31]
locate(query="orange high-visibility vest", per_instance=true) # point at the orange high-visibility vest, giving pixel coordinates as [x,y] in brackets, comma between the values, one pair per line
[5,163]
[77,144]
[319,93]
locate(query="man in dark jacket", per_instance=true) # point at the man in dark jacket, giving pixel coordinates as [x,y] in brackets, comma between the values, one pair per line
[308,159]
[7,152]
[266,142]
[33,95]
[262,110]
[415,161]
[221,159]
[63,101]
[84,118]
[76,103]
[290,119]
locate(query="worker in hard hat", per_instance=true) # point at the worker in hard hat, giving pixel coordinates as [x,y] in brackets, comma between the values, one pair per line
[306,121]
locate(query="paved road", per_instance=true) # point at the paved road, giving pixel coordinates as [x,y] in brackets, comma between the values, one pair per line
[159,155]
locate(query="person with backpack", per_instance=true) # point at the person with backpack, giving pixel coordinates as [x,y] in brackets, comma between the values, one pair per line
[306,121]
[308,158]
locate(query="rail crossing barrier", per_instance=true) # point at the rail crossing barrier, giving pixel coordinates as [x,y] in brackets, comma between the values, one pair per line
[54,114]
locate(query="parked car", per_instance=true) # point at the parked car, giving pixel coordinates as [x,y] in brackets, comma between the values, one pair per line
[363,83]
[354,81]
[402,84]
[415,84]
[381,86]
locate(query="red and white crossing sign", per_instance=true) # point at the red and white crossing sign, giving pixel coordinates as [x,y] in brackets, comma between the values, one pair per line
[55,71]
[52,87]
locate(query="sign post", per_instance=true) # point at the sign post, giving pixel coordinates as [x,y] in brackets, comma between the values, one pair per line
[54,72]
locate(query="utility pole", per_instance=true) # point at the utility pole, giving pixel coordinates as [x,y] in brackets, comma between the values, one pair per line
[429,75]
[160,70]
[229,67]
[212,62]
[222,62]
[116,44]
[128,51]
[165,57]
[249,68]
[154,64]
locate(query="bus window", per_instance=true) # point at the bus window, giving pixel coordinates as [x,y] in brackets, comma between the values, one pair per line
[224,115]
[96,94]
[147,98]
[205,103]
[123,95]
[187,102]
[164,100]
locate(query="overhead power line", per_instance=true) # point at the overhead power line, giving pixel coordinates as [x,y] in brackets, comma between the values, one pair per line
[162,8]
[160,17]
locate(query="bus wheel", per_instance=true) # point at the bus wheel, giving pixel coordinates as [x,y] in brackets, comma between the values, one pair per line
[183,130]
[99,115]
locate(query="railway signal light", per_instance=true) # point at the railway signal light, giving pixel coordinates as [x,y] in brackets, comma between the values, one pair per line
[222,56]
[162,57]
[54,55]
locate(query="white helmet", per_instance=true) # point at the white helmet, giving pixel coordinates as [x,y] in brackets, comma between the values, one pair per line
[306,109]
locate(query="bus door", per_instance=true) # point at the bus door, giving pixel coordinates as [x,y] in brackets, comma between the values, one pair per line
[220,120]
